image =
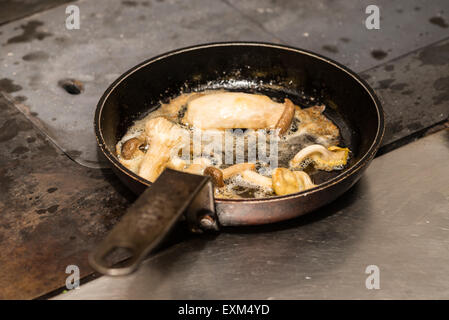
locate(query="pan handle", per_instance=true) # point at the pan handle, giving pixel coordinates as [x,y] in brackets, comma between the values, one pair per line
[152,215]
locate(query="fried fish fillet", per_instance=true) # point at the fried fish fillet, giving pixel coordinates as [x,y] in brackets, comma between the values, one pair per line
[229,110]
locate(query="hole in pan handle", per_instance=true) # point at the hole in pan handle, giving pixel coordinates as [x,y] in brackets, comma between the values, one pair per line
[151,217]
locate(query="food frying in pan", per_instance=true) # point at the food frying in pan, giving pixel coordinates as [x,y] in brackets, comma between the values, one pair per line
[230,110]
[249,144]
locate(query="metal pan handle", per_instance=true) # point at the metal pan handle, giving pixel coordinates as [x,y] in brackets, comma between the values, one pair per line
[153,214]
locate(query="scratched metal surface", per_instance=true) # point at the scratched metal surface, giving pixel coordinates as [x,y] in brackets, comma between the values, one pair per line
[414,91]
[15,9]
[396,217]
[52,210]
[38,51]
[337,28]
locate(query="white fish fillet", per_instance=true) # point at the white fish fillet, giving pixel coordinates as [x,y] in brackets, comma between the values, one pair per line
[227,110]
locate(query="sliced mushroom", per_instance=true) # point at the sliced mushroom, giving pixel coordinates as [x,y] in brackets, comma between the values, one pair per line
[284,182]
[237,168]
[303,154]
[257,179]
[288,182]
[323,159]
[216,175]
[130,148]
[286,118]
[304,180]
[196,167]
[313,122]
[165,138]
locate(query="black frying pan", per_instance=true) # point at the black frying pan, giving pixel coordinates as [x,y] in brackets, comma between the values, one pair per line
[277,71]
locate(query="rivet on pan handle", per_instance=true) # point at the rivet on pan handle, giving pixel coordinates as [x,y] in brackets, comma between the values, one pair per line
[152,215]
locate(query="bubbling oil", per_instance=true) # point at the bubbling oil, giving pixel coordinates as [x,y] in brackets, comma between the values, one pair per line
[295,139]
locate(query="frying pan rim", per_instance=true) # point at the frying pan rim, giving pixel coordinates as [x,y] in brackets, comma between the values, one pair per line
[366,158]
